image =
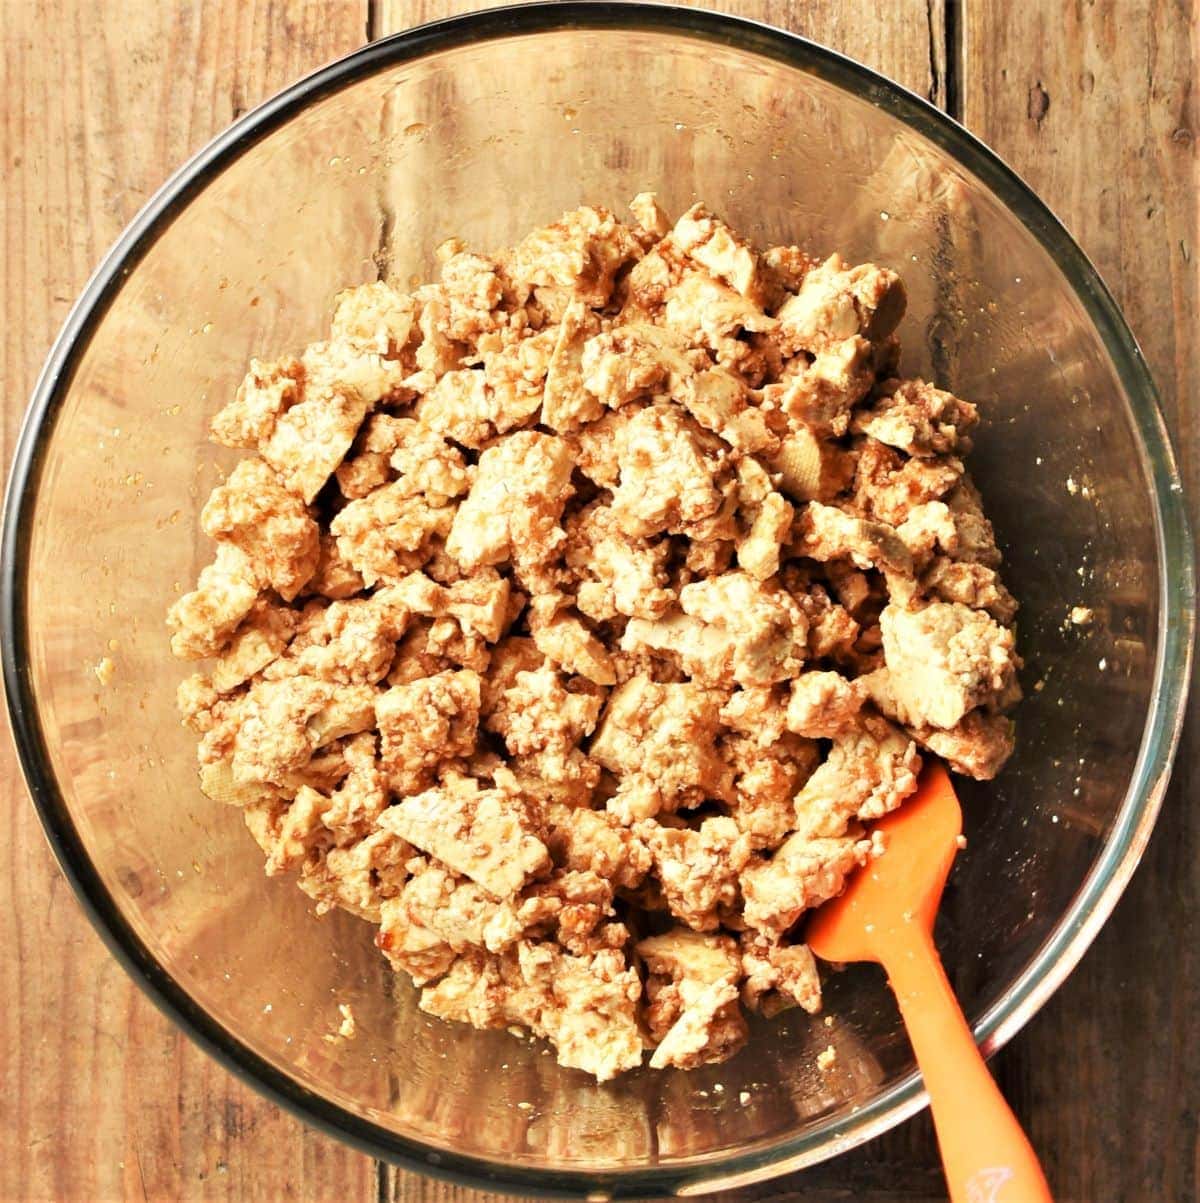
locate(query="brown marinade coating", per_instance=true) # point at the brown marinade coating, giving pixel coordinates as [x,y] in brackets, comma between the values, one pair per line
[572,615]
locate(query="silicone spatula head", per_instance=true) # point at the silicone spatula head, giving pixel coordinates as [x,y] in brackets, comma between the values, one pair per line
[901,887]
[886,914]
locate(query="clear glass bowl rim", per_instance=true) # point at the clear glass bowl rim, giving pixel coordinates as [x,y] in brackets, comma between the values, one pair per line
[1131,830]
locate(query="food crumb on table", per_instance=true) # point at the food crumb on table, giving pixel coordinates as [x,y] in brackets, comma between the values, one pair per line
[347,1028]
[827,1058]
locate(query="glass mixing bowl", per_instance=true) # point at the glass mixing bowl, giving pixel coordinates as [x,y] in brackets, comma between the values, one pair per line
[481,127]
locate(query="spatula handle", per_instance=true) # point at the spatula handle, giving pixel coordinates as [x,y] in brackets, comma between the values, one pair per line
[986,1155]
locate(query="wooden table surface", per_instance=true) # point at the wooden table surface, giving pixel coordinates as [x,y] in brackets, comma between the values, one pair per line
[1091,100]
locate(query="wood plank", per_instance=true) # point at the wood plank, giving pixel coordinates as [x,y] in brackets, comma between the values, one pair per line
[906,42]
[1094,105]
[104,1099]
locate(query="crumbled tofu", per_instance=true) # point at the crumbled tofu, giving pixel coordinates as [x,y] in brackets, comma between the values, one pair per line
[566,402]
[271,526]
[218,783]
[804,872]
[762,625]
[474,292]
[778,976]
[712,315]
[577,256]
[596,842]
[869,771]
[359,877]
[484,834]
[820,396]
[202,622]
[462,406]
[512,511]
[693,1012]
[542,719]
[427,462]
[311,439]
[698,869]
[649,215]
[367,466]
[766,781]
[888,485]
[595,446]
[362,794]
[458,911]
[659,739]
[918,419]
[351,641]
[617,574]
[828,533]
[337,368]
[375,318]
[390,532]
[972,585]
[562,636]
[758,712]
[410,947]
[716,248]
[788,265]
[927,530]
[976,746]
[586,1005]
[479,603]
[626,363]
[944,660]
[276,726]
[347,1027]
[758,550]
[810,468]
[424,724]
[823,705]
[668,467]
[300,831]
[722,402]
[266,392]
[259,641]
[733,628]
[572,616]
[836,302]
[335,577]
[976,541]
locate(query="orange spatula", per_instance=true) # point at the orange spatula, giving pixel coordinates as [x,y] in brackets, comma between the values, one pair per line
[886,915]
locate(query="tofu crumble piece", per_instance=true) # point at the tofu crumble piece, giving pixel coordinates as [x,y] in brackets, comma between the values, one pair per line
[572,616]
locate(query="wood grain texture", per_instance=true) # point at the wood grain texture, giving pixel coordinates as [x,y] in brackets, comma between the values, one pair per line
[1094,104]
[1091,102]
[905,40]
[105,1099]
